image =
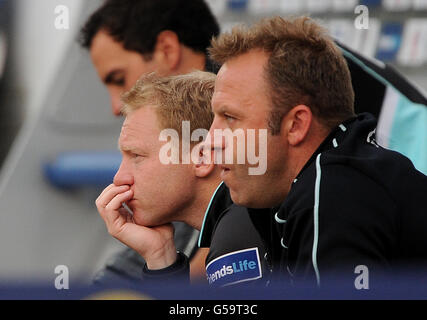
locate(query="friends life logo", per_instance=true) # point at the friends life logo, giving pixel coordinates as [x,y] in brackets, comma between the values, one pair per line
[235,267]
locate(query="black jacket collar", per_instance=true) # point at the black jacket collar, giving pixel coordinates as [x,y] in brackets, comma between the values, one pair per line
[219,203]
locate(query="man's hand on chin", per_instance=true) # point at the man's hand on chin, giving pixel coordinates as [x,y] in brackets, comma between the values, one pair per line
[155,244]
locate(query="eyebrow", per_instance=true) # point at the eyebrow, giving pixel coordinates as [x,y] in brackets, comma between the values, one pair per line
[221,109]
[126,148]
[224,108]
[110,76]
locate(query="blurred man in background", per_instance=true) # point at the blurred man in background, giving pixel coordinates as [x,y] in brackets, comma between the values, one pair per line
[129,38]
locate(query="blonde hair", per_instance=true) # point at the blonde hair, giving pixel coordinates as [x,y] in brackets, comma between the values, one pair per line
[304,67]
[175,98]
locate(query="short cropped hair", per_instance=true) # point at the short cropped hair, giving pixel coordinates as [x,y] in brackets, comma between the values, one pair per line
[176,99]
[137,23]
[304,67]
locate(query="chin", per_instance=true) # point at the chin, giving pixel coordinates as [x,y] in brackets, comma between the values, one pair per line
[248,201]
[145,219]
[238,198]
[142,220]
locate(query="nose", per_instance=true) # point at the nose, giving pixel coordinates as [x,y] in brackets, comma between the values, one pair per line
[123,175]
[116,103]
[215,139]
[116,108]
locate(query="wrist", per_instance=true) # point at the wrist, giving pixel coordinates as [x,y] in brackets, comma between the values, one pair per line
[180,270]
[163,259]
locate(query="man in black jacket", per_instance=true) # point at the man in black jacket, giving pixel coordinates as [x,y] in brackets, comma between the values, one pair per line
[342,203]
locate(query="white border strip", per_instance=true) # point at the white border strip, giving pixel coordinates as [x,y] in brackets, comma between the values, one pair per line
[206,213]
[385,119]
[316,218]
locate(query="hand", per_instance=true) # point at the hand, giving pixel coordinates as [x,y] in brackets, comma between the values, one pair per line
[155,244]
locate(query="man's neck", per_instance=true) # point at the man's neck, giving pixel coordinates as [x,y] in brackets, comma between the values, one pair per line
[191,60]
[194,214]
[302,154]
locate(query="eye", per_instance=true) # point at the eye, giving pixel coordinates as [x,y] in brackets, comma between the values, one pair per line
[229,118]
[115,79]
[136,156]
[118,82]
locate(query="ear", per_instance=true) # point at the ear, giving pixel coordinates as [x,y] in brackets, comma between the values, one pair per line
[296,124]
[167,52]
[204,164]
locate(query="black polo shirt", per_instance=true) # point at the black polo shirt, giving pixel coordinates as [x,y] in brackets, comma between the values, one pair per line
[238,254]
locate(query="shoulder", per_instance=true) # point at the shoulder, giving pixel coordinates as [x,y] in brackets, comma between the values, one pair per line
[237,253]
[371,171]
[234,231]
[338,187]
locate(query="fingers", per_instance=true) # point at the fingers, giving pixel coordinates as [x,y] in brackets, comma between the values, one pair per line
[116,202]
[155,244]
[106,190]
[109,193]
[108,205]
[125,214]
[112,209]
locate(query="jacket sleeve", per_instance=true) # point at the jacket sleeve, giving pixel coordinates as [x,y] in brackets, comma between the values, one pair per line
[125,266]
[352,225]
[177,272]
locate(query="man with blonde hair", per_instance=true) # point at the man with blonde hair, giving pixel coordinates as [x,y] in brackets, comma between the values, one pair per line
[129,38]
[159,191]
